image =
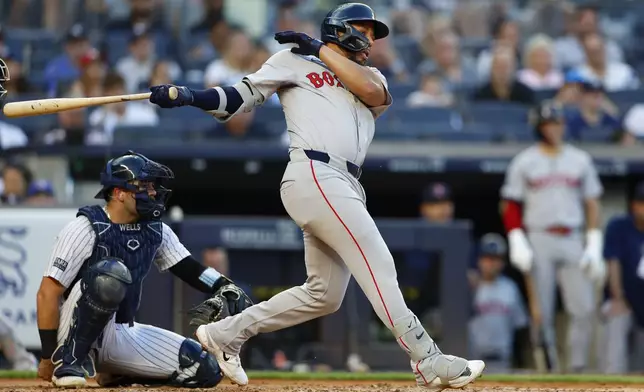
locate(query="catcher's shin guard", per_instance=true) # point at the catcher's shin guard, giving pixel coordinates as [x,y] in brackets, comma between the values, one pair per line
[197,368]
[102,291]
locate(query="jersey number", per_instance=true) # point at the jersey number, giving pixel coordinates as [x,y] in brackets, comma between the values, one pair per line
[318,80]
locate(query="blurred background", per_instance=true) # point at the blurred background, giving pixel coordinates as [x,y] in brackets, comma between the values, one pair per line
[462,73]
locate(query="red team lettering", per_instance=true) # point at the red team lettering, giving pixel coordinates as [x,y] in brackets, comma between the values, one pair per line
[318,80]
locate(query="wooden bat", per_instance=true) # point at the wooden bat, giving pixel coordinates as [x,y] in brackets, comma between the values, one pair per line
[539,349]
[39,107]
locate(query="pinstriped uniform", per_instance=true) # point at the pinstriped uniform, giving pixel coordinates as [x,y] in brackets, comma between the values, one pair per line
[140,350]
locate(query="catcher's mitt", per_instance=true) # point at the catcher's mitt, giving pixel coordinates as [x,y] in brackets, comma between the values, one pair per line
[227,301]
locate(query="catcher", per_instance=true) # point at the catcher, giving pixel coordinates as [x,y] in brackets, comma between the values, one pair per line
[96,271]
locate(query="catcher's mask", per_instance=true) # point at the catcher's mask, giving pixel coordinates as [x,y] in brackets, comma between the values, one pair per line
[339,20]
[4,77]
[136,173]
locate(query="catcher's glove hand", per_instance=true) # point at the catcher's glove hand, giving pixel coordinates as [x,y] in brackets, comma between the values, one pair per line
[228,300]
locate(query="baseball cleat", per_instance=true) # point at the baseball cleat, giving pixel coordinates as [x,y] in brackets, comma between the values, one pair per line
[69,381]
[428,379]
[230,364]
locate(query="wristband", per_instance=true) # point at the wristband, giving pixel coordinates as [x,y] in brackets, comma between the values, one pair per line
[48,341]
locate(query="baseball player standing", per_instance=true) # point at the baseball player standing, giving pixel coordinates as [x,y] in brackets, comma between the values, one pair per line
[96,270]
[624,310]
[331,100]
[550,198]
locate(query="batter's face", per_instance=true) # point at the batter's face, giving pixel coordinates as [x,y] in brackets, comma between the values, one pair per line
[553,132]
[366,28]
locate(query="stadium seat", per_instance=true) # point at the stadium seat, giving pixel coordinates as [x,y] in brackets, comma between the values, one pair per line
[627,97]
[496,112]
[400,91]
[402,116]
[269,122]
[408,50]
[541,95]
[460,136]
[34,124]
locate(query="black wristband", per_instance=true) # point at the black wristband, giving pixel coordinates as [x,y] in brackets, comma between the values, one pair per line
[49,342]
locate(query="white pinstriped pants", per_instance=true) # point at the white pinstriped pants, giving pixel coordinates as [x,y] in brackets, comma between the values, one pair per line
[140,351]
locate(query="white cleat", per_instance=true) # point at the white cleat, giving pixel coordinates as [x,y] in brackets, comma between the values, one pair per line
[69,382]
[473,371]
[230,364]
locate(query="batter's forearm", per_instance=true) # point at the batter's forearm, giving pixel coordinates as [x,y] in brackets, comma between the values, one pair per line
[211,99]
[592,214]
[360,80]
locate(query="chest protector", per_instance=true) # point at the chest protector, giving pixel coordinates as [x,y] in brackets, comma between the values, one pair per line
[136,244]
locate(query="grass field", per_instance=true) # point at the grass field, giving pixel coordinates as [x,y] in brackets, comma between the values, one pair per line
[404,376]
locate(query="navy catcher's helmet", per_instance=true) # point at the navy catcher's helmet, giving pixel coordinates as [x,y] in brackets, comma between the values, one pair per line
[339,19]
[4,77]
[547,111]
[122,172]
[492,244]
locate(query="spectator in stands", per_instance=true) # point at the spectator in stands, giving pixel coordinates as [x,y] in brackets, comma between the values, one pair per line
[503,85]
[569,94]
[548,16]
[539,72]
[214,46]
[11,136]
[570,49]
[70,129]
[472,18]
[213,13]
[217,258]
[18,83]
[15,179]
[437,205]
[506,34]
[499,310]
[231,68]
[146,13]
[384,57]
[286,19]
[40,193]
[66,67]
[161,74]
[4,49]
[591,116]
[633,125]
[93,70]
[446,60]
[614,75]
[106,118]
[136,67]
[431,93]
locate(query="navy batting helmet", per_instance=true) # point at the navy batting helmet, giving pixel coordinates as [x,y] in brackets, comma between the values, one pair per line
[547,111]
[136,173]
[339,20]
[492,244]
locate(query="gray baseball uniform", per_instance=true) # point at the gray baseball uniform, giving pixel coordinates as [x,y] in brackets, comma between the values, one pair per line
[141,350]
[13,351]
[552,190]
[499,311]
[328,203]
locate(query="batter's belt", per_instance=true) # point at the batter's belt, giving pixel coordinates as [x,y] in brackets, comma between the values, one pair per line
[299,154]
[559,230]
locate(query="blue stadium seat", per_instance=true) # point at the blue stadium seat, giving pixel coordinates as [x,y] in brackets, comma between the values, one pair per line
[408,50]
[498,113]
[385,131]
[400,91]
[269,122]
[541,95]
[33,125]
[400,115]
[460,136]
[627,97]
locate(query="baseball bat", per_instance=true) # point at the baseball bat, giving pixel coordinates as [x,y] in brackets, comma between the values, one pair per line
[39,107]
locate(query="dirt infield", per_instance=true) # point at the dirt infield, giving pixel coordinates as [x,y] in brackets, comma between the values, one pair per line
[347,386]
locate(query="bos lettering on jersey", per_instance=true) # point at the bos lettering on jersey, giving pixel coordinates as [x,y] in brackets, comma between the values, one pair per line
[554,180]
[319,80]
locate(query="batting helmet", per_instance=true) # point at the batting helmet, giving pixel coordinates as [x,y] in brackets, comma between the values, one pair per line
[492,244]
[122,172]
[339,20]
[547,111]
[4,77]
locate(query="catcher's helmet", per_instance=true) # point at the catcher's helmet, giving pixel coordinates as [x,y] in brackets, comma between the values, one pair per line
[339,19]
[4,77]
[492,244]
[547,111]
[123,171]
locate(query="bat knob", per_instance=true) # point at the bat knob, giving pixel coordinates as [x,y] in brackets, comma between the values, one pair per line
[173,93]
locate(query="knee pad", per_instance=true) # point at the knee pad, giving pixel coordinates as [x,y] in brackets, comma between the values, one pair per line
[197,368]
[106,283]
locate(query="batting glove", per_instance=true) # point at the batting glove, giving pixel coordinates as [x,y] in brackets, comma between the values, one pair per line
[306,45]
[521,255]
[160,96]
[592,260]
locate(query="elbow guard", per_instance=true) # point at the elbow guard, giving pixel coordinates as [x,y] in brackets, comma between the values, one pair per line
[512,218]
[241,97]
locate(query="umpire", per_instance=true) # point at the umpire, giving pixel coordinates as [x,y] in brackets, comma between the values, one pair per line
[624,309]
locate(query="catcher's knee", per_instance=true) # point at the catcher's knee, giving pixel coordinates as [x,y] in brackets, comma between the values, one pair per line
[108,281]
[197,368]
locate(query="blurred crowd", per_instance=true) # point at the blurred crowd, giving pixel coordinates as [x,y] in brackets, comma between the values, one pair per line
[442,55]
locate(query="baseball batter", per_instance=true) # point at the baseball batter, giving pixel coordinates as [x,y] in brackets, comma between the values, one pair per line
[96,270]
[331,100]
[550,199]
